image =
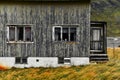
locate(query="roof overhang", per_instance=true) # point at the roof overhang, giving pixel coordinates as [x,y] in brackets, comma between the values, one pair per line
[49,0]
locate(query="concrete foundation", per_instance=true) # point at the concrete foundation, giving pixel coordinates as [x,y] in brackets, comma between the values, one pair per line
[42,62]
[79,61]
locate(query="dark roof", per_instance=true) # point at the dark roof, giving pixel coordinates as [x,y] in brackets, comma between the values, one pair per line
[98,22]
[51,0]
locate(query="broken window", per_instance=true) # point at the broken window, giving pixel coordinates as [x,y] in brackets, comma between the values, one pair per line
[64,33]
[19,33]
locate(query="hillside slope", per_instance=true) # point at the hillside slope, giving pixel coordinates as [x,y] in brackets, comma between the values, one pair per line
[109,11]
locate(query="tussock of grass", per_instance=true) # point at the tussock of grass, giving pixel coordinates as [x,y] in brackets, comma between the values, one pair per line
[105,71]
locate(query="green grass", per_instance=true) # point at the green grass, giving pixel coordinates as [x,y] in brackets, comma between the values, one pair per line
[109,11]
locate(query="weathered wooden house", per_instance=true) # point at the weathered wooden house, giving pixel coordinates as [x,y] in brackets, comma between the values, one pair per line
[49,33]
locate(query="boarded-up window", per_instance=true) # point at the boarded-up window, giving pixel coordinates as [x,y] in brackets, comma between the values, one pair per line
[63,33]
[19,33]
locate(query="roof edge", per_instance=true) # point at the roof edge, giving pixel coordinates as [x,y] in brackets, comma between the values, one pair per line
[48,0]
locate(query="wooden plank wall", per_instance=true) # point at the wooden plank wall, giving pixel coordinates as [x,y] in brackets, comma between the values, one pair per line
[44,16]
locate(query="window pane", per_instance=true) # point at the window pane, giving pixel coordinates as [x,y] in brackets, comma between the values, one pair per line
[65,34]
[24,60]
[96,35]
[17,60]
[28,34]
[96,39]
[96,45]
[57,34]
[72,34]
[20,33]
[12,33]
[91,34]
[60,60]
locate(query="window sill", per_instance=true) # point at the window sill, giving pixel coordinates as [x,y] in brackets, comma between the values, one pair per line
[20,63]
[96,50]
[67,42]
[19,42]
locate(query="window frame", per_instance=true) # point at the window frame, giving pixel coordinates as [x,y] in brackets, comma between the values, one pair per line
[61,27]
[64,60]
[100,41]
[54,31]
[20,60]
[16,34]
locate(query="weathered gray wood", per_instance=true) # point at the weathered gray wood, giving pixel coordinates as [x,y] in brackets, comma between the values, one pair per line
[44,16]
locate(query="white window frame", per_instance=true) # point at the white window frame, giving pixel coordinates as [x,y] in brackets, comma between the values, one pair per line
[53,34]
[54,31]
[18,41]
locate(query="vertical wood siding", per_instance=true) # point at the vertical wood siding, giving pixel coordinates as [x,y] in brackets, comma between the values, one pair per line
[44,16]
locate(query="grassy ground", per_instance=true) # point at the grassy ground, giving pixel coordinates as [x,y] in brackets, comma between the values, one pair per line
[101,71]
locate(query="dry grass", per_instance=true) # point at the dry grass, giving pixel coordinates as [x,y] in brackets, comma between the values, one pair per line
[114,53]
[105,71]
